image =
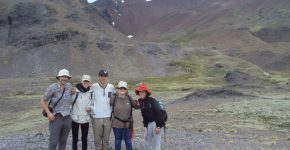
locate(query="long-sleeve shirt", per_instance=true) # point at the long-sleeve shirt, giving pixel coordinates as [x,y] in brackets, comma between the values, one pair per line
[150,112]
[83,101]
[101,100]
[122,110]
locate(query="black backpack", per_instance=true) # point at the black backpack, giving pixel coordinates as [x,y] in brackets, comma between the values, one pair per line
[162,111]
[163,115]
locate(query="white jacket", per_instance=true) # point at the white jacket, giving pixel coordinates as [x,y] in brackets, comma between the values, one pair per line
[78,111]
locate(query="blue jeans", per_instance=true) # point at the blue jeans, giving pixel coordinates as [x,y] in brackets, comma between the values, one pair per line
[119,134]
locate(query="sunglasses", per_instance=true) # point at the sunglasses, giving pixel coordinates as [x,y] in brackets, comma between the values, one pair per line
[122,88]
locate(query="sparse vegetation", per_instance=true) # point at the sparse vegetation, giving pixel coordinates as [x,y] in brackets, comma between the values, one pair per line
[267,113]
[256,28]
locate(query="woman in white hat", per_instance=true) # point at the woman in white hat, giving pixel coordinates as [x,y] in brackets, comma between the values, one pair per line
[81,102]
[122,119]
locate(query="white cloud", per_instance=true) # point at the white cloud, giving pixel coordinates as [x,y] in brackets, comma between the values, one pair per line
[91,1]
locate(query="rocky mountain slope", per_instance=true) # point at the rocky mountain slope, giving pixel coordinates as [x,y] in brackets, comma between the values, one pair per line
[39,38]
[169,37]
[257,31]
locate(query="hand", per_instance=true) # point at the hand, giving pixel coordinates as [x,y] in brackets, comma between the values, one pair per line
[157,130]
[88,109]
[50,116]
[144,130]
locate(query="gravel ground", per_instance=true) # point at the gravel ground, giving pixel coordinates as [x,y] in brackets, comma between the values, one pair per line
[193,125]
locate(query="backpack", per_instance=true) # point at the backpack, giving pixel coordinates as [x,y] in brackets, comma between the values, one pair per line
[124,121]
[162,111]
[163,114]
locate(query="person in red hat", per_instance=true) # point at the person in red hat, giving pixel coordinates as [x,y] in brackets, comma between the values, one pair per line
[152,118]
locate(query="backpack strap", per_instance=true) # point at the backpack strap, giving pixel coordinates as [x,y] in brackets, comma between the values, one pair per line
[58,99]
[113,107]
[131,111]
[75,99]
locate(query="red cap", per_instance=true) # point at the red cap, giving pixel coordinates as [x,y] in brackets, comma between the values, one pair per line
[142,87]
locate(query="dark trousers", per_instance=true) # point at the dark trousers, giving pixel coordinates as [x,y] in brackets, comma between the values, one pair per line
[75,134]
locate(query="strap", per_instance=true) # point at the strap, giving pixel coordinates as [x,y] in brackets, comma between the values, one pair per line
[131,110]
[58,99]
[124,121]
[75,99]
[113,107]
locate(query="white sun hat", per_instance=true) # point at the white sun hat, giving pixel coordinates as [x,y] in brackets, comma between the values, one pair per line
[63,72]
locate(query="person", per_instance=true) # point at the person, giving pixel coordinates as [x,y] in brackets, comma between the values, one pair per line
[80,111]
[59,120]
[152,118]
[122,119]
[101,110]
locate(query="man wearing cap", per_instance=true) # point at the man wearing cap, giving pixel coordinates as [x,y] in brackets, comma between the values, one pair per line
[59,119]
[101,111]
[82,101]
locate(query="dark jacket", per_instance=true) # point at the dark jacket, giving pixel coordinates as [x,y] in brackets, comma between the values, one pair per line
[150,112]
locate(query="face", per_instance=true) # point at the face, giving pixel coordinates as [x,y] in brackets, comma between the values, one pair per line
[86,84]
[63,79]
[122,91]
[103,79]
[142,94]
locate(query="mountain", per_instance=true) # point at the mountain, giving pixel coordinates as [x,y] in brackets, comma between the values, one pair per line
[257,31]
[140,38]
[39,38]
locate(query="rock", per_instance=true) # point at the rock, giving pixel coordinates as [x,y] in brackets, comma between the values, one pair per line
[237,77]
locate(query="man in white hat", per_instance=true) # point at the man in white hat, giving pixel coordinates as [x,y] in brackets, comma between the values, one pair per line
[59,118]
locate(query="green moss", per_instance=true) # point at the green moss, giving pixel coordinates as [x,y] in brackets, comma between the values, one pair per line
[283,12]
[2,7]
[264,113]
[256,28]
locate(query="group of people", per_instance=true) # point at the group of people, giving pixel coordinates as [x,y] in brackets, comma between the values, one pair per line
[103,105]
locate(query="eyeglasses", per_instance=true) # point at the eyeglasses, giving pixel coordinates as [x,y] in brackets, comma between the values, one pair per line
[122,88]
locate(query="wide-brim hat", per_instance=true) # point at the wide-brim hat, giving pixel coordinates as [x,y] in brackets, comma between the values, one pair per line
[143,87]
[63,72]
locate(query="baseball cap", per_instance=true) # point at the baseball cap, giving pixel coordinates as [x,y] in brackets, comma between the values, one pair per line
[86,77]
[103,72]
[122,84]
